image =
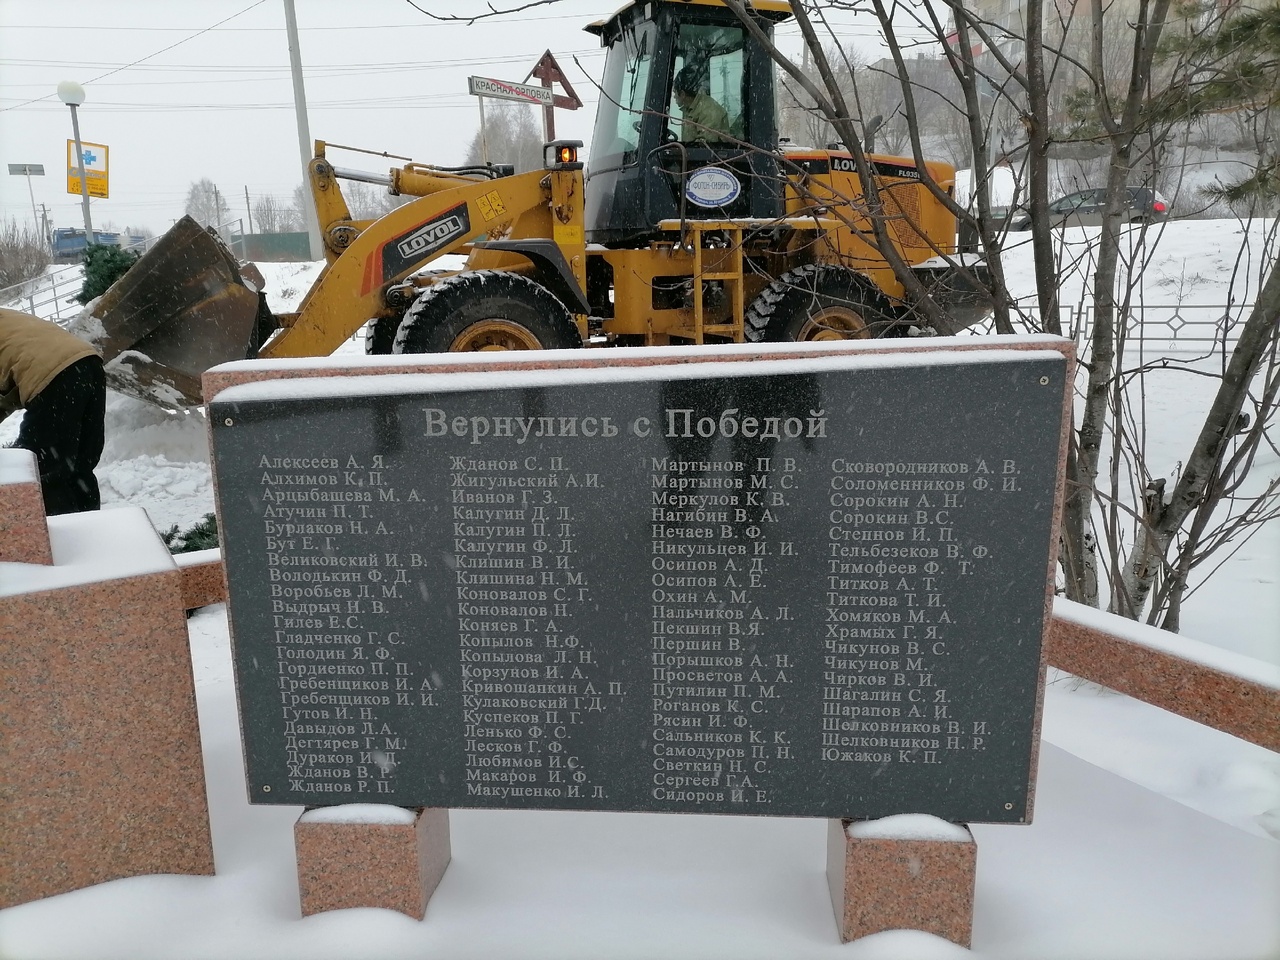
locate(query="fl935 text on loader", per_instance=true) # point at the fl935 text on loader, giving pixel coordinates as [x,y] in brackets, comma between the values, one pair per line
[690,226]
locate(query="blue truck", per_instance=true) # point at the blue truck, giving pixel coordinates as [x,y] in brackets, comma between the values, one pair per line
[68,242]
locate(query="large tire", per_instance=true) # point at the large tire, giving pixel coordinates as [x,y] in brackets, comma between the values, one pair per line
[380,335]
[818,301]
[486,310]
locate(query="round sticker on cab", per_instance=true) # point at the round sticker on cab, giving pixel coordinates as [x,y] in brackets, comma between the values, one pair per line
[712,187]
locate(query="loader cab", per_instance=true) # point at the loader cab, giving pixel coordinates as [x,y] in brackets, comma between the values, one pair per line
[647,163]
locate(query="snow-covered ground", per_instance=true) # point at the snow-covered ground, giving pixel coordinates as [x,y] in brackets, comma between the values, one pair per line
[1154,837]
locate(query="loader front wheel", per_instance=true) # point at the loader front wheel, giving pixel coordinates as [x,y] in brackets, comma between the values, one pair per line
[380,335]
[486,310]
[818,301]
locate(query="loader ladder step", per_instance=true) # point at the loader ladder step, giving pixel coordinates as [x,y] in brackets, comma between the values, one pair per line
[731,278]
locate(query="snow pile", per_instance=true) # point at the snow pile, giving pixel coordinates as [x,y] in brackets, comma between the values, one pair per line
[1221,776]
[78,558]
[157,460]
[909,826]
[1177,262]
[360,813]
[288,283]
[17,467]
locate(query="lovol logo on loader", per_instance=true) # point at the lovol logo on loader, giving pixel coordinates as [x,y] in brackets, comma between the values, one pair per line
[409,249]
[882,168]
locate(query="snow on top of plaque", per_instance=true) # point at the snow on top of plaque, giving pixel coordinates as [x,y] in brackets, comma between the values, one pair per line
[685,353]
[357,385]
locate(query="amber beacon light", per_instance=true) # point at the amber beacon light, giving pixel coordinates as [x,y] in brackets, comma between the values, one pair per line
[562,153]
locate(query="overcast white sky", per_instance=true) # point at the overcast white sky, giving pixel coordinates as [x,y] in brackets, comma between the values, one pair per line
[181,90]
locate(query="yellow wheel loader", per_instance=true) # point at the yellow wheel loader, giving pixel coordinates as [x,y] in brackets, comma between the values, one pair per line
[693,226]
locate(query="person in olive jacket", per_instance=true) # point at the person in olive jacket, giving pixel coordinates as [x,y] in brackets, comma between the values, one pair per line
[58,379]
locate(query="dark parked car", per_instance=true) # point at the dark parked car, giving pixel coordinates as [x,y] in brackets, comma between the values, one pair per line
[1084,209]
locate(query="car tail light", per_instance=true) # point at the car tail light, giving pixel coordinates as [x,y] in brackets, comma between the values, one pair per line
[1158,207]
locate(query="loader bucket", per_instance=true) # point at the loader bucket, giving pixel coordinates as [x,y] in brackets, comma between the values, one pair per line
[184,307]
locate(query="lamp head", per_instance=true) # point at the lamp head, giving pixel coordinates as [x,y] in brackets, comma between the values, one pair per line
[71,93]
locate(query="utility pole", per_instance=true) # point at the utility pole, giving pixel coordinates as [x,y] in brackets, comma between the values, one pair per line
[305,147]
[32,193]
[247,211]
[28,170]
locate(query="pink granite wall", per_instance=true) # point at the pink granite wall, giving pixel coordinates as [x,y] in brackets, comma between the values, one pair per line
[99,746]
[1244,708]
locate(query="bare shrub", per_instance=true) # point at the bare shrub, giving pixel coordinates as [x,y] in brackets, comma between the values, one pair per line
[23,254]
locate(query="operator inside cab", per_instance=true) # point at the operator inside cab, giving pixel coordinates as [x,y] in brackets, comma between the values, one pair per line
[702,118]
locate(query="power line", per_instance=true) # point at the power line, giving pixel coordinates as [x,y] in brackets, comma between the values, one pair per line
[314,71]
[179,43]
[444,101]
[344,29]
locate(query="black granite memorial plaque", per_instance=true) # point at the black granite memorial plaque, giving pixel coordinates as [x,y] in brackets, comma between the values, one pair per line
[808,588]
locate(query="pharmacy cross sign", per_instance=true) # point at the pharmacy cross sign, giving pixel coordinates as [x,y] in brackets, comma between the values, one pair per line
[96,160]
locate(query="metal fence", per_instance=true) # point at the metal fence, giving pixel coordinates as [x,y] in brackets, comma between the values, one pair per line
[52,296]
[1201,328]
[1178,327]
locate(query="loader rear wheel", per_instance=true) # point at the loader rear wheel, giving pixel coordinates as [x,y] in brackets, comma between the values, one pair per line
[818,301]
[486,310]
[380,335]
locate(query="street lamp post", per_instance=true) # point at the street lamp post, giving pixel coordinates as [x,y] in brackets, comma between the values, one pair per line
[72,94]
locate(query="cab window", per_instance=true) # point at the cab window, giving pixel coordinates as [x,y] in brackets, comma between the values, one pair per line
[626,81]
[714,55]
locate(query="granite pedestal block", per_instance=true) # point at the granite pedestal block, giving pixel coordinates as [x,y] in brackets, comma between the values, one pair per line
[896,879]
[24,536]
[101,772]
[352,860]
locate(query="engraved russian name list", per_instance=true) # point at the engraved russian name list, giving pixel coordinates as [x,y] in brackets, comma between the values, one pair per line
[814,593]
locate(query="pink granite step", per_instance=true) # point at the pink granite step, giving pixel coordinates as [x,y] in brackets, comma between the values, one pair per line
[24,535]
